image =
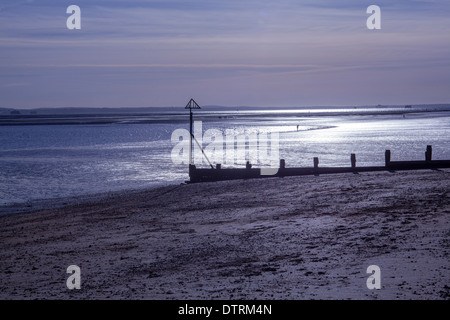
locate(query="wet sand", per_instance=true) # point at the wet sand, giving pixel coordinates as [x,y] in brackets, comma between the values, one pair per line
[295,238]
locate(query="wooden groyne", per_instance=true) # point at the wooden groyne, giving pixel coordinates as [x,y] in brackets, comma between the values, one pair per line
[218,173]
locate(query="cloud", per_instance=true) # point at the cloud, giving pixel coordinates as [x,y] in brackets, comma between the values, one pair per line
[165,44]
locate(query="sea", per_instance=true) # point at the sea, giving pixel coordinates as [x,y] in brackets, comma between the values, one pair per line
[50,156]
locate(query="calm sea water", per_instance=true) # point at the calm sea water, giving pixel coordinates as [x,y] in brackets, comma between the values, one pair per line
[61,160]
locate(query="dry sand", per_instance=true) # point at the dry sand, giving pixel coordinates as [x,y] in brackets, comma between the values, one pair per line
[309,237]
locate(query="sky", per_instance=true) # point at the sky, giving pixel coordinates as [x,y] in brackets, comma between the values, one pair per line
[285,53]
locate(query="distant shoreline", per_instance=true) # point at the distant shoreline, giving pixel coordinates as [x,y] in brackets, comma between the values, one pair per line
[118,110]
[94,117]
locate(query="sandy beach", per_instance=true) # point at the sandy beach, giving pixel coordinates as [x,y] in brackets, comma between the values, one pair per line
[309,237]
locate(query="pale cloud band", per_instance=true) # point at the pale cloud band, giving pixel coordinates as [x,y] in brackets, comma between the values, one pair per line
[302,52]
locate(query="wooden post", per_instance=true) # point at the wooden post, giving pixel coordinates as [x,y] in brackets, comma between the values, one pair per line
[218,166]
[353,160]
[191,134]
[191,170]
[316,163]
[191,105]
[428,153]
[282,164]
[387,158]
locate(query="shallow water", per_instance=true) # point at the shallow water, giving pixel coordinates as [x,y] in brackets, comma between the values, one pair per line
[48,161]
